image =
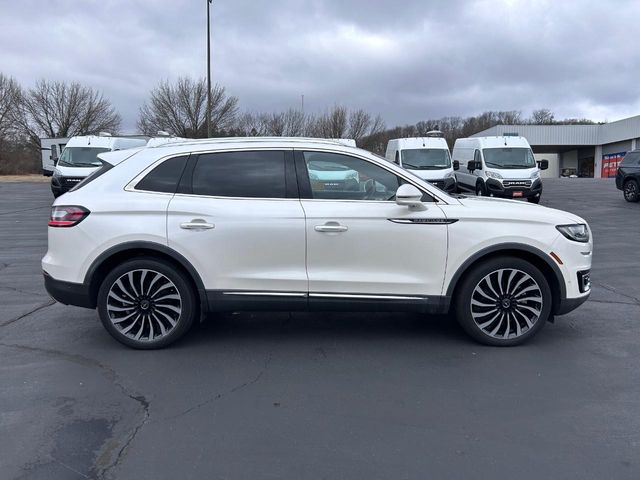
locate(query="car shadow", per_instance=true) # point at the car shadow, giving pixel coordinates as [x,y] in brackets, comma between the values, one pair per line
[313,326]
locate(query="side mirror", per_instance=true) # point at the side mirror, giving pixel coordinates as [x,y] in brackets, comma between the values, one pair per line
[456,165]
[473,165]
[409,196]
[54,154]
[543,164]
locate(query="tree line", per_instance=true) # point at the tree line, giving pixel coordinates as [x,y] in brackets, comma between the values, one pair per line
[65,109]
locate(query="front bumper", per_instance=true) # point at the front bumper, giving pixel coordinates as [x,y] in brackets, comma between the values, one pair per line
[60,185]
[566,305]
[447,184]
[69,293]
[514,188]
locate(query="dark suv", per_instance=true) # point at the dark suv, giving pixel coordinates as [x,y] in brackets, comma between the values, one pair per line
[628,177]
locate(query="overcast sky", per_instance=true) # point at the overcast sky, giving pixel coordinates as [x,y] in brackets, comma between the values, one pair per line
[408,60]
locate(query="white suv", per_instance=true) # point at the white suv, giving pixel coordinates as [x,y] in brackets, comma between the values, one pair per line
[159,237]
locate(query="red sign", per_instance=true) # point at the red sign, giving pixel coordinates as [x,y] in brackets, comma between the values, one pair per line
[610,164]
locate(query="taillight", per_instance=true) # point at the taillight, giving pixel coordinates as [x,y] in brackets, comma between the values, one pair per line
[67,216]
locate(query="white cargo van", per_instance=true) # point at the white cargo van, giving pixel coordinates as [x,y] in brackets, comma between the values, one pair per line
[499,167]
[79,158]
[163,140]
[426,157]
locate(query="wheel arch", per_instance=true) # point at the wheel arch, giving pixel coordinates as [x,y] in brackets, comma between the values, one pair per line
[526,252]
[114,256]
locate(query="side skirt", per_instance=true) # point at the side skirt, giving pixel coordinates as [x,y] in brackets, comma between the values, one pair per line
[242,300]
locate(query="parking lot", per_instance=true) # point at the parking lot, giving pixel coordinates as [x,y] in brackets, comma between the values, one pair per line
[322,395]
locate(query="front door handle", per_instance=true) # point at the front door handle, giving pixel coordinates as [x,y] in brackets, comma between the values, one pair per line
[331,227]
[197,224]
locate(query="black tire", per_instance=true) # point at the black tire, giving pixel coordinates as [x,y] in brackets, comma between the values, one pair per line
[631,191]
[488,272]
[163,319]
[535,199]
[481,190]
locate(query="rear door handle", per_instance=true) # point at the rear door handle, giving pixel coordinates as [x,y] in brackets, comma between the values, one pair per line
[331,227]
[197,224]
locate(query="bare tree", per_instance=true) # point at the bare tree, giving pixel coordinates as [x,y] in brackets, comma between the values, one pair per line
[59,109]
[181,109]
[9,103]
[332,124]
[543,116]
[362,124]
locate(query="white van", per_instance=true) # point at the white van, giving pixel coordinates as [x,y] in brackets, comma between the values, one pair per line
[163,140]
[499,167]
[426,157]
[80,158]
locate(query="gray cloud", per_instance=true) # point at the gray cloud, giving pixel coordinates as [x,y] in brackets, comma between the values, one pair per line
[408,60]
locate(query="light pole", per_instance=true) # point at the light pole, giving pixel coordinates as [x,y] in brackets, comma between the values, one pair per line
[208,70]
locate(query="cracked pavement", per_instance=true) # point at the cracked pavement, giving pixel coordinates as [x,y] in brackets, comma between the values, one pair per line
[322,395]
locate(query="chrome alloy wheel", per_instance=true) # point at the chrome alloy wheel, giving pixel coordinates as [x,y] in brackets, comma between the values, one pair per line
[630,191]
[506,303]
[144,305]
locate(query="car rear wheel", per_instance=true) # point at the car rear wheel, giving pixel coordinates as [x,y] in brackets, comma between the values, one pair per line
[631,191]
[503,302]
[146,303]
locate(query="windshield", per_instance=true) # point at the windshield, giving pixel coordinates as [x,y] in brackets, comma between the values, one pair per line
[81,157]
[509,157]
[426,158]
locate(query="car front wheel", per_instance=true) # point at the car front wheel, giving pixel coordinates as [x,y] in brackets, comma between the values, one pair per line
[146,303]
[631,191]
[503,302]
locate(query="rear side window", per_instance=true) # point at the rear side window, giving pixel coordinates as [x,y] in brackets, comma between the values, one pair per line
[259,174]
[165,177]
[631,158]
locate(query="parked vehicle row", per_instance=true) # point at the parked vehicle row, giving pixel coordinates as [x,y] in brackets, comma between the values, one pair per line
[487,166]
[158,237]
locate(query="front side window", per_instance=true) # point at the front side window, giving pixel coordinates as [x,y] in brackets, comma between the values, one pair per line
[165,177]
[259,174]
[425,158]
[86,157]
[342,177]
[508,157]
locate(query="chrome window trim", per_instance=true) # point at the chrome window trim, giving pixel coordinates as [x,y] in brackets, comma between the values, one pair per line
[130,187]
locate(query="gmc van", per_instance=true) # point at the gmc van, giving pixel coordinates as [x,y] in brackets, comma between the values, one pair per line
[499,167]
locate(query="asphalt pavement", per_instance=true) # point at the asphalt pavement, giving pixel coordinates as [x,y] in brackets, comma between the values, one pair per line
[335,396]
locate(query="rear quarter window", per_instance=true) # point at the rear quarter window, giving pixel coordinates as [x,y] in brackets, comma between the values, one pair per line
[165,177]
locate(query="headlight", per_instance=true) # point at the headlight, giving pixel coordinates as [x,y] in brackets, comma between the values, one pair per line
[535,175]
[495,175]
[56,172]
[449,175]
[352,175]
[578,232]
[313,176]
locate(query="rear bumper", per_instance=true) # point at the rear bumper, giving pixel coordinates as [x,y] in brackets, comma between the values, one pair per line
[497,189]
[68,293]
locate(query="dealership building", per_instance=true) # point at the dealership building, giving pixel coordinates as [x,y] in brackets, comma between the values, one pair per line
[582,150]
